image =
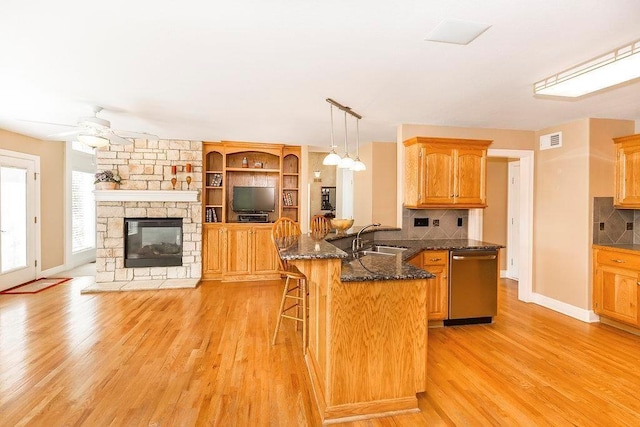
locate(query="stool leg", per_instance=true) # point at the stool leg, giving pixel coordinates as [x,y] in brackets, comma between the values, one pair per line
[284,297]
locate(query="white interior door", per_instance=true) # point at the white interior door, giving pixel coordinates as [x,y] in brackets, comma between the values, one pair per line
[513,227]
[17,221]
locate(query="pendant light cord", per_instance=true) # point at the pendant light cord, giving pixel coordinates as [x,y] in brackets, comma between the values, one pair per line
[346,146]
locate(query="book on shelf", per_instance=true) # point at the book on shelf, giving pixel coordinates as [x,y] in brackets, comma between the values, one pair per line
[210,215]
[215,180]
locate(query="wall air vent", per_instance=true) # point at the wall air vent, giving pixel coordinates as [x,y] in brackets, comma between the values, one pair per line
[551,140]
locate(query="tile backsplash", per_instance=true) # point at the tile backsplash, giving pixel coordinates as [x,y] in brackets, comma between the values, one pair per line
[443,224]
[614,226]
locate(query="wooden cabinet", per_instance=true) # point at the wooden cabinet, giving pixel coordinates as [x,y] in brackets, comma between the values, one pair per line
[616,280]
[627,172]
[437,263]
[234,249]
[238,252]
[445,172]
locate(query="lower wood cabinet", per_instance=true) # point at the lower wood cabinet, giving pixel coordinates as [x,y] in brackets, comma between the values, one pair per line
[616,280]
[238,252]
[437,263]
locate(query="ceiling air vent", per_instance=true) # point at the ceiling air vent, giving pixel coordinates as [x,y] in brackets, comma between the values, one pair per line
[551,140]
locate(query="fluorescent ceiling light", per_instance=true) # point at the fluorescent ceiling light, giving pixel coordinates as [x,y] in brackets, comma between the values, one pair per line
[456,31]
[610,69]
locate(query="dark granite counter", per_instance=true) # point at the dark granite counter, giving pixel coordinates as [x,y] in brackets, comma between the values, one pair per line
[380,267]
[351,232]
[305,247]
[416,246]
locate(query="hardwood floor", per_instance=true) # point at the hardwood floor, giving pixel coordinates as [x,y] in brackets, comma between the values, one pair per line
[203,357]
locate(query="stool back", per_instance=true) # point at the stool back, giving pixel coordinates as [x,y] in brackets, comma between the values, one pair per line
[283,234]
[320,225]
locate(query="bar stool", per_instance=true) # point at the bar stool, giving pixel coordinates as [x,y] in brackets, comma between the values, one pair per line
[283,230]
[320,225]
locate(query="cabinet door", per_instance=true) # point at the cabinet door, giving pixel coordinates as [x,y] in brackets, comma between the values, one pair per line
[616,293]
[214,253]
[437,263]
[263,254]
[470,176]
[628,176]
[437,176]
[238,250]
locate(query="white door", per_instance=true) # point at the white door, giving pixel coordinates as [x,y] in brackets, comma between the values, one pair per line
[17,221]
[513,227]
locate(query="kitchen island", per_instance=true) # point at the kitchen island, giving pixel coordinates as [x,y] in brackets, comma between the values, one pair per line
[367,349]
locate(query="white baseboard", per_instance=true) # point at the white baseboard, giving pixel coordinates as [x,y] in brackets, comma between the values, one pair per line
[582,314]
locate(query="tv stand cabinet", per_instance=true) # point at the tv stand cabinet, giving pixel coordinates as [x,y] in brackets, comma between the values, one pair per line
[234,248]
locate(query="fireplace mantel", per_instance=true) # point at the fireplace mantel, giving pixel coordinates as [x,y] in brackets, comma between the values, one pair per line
[146,195]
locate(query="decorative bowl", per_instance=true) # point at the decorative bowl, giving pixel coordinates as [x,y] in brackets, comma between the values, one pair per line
[341,224]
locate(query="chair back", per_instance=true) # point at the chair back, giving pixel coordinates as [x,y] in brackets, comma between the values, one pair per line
[320,225]
[281,229]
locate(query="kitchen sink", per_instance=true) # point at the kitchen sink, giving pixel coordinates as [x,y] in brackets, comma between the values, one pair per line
[382,250]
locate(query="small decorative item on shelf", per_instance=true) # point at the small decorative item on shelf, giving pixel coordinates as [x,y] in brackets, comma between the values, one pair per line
[258,165]
[174,180]
[245,162]
[215,180]
[188,179]
[287,199]
[106,180]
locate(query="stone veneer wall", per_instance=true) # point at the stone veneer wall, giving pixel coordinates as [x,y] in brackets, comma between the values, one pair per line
[146,165]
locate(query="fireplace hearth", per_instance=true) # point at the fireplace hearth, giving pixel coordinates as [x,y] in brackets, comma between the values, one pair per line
[152,242]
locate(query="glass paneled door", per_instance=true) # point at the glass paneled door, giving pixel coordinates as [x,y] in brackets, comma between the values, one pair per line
[17,221]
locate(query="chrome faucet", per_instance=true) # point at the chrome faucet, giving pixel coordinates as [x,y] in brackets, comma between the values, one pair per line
[357,242]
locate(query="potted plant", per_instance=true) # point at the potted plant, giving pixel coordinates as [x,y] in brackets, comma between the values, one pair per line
[106,180]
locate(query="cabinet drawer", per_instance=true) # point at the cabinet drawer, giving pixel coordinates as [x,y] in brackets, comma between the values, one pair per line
[435,257]
[618,259]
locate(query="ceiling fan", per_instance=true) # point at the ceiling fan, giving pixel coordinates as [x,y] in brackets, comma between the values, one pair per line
[96,132]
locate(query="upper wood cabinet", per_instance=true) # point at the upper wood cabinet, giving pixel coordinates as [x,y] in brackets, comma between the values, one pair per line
[627,178]
[445,172]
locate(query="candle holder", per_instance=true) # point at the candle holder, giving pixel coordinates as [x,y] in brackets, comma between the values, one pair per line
[174,180]
[188,179]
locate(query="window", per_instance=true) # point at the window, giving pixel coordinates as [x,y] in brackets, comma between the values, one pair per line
[83,211]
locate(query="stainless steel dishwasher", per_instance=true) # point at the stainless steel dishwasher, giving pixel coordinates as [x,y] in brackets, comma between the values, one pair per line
[473,286]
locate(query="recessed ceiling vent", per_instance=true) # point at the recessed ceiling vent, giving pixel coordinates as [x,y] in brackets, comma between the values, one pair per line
[551,140]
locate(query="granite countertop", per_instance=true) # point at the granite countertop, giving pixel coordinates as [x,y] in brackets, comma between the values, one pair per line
[351,232]
[373,267]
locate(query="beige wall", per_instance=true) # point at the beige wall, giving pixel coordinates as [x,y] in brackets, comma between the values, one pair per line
[375,195]
[494,226]
[52,190]
[565,181]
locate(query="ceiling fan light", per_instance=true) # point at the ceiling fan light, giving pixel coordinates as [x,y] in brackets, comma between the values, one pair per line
[331,159]
[93,140]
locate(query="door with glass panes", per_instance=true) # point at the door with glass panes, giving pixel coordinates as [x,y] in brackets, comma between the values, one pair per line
[18,220]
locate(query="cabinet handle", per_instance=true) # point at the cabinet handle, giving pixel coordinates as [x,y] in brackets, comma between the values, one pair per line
[638,283]
[435,259]
[619,261]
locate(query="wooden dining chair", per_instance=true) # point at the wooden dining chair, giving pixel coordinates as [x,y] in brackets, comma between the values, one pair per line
[295,284]
[320,225]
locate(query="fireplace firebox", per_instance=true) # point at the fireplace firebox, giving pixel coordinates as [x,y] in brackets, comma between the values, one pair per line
[152,242]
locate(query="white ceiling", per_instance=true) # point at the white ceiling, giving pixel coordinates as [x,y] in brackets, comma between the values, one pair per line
[260,70]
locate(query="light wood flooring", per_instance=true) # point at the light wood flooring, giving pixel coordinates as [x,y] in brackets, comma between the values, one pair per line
[202,357]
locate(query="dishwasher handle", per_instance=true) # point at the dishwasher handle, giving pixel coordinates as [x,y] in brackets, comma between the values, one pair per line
[473,257]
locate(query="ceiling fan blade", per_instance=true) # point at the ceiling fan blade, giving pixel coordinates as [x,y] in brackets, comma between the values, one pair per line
[116,140]
[68,135]
[45,123]
[141,135]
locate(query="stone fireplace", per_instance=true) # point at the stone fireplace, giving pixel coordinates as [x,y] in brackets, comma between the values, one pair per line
[146,168]
[152,242]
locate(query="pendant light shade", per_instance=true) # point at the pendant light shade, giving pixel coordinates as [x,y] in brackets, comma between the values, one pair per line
[331,159]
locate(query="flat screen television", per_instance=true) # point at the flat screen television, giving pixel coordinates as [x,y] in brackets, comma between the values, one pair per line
[254,199]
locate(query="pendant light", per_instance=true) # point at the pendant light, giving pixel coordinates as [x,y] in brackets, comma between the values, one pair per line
[358,165]
[331,159]
[346,161]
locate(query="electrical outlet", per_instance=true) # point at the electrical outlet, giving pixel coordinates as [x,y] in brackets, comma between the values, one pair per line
[420,222]
[436,223]
[459,222]
[602,226]
[629,226]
